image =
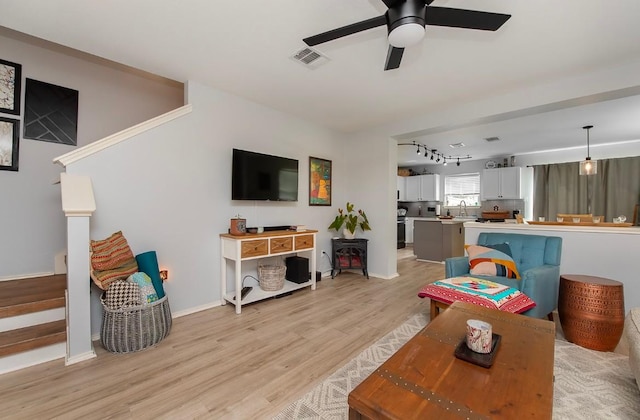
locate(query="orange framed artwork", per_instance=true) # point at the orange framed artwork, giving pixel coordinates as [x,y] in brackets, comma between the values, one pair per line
[319,182]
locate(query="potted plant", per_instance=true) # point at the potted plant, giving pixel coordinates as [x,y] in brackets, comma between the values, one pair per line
[351,221]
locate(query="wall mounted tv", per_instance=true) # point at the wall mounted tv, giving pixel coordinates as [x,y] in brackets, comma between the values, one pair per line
[256,176]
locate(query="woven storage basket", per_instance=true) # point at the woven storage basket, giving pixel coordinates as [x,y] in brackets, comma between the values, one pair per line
[271,277]
[135,328]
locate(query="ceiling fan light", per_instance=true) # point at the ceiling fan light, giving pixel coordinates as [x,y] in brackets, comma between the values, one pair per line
[406,35]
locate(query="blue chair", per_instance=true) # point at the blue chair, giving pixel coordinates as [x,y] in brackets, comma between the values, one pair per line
[537,259]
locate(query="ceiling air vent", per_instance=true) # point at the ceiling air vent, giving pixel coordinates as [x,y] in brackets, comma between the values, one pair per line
[456,145]
[490,139]
[310,58]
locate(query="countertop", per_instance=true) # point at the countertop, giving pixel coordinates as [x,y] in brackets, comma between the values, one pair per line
[631,230]
[443,221]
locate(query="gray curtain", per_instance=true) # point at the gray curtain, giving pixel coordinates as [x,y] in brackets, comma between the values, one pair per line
[613,191]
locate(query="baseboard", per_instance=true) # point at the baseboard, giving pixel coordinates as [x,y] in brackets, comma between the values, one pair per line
[27,276]
[79,358]
[195,309]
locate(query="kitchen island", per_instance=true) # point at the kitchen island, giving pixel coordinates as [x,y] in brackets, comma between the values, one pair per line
[437,239]
[608,252]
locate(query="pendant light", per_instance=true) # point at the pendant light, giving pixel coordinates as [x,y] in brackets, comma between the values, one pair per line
[588,166]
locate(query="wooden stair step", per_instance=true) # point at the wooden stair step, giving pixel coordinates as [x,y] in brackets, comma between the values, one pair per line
[33,337]
[23,296]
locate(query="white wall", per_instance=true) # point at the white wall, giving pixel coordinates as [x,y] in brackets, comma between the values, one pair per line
[31,220]
[169,189]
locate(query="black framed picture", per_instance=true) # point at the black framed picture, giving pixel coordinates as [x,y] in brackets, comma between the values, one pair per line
[10,84]
[319,182]
[9,140]
[50,113]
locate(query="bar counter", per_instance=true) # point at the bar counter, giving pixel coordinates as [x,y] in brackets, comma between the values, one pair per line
[609,252]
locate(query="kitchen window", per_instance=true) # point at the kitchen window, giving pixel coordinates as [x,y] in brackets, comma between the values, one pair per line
[462,187]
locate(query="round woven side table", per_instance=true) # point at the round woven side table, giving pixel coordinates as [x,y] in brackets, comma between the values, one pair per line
[591,311]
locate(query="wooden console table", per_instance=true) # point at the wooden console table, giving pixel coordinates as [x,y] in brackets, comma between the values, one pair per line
[424,380]
[262,245]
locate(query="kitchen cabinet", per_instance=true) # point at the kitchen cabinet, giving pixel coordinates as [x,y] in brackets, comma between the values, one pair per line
[437,241]
[505,183]
[402,188]
[423,188]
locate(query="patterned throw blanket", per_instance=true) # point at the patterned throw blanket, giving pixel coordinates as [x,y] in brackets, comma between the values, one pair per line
[479,292]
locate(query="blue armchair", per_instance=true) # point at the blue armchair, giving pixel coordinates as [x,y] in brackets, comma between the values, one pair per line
[538,261]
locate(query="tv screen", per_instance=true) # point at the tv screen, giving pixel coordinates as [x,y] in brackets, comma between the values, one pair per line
[256,176]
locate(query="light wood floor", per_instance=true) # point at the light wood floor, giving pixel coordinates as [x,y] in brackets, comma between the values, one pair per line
[216,364]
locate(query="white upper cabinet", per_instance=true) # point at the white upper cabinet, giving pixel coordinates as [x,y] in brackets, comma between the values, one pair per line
[402,188]
[503,183]
[423,188]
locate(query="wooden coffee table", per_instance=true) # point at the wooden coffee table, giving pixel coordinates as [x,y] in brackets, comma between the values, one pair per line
[424,380]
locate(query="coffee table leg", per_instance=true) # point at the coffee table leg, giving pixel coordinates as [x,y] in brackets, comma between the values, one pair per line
[354,415]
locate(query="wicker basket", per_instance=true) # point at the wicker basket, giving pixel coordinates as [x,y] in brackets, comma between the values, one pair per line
[135,328]
[271,277]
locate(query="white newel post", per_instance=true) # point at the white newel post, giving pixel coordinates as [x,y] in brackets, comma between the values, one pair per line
[78,204]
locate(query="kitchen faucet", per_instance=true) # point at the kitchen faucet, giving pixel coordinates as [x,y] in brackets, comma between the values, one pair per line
[460,212]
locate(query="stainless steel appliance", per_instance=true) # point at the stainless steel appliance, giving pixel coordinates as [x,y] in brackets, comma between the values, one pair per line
[402,222]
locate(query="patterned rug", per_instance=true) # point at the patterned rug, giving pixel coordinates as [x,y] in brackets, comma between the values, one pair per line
[588,384]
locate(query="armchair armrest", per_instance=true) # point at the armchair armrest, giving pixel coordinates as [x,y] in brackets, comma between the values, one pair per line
[456,266]
[541,284]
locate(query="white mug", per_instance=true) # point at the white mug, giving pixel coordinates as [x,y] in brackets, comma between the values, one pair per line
[479,336]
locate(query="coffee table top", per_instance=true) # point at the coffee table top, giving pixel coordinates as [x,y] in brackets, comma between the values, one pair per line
[425,380]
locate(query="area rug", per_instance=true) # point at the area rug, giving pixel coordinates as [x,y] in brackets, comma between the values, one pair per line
[588,384]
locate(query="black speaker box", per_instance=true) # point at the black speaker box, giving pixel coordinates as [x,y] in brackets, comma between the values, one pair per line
[297,269]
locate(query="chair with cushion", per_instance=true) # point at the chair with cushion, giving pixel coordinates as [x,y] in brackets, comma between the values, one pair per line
[534,269]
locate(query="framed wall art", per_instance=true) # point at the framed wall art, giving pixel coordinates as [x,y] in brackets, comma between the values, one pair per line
[50,113]
[9,138]
[319,182]
[10,83]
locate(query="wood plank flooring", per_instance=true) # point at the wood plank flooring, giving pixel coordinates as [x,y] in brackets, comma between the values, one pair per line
[216,364]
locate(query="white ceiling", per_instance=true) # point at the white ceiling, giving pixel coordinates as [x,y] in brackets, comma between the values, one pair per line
[244,47]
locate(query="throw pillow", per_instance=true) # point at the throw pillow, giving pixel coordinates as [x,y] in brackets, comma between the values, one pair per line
[121,294]
[111,260]
[110,253]
[147,291]
[492,260]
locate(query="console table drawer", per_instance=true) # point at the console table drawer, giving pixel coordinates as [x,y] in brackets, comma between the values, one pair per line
[304,241]
[254,248]
[281,245]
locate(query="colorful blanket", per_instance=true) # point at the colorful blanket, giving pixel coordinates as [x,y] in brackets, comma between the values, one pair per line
[478,291]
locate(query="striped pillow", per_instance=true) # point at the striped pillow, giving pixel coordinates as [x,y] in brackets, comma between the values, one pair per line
[111,260]
[103,278]
[110,253]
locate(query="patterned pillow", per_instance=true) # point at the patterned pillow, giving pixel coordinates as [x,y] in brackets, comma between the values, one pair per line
[110,253]
[121,294]
[147,291]
[103,278]
[492,260]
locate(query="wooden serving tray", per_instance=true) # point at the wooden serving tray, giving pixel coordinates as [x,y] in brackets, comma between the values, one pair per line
[601,224]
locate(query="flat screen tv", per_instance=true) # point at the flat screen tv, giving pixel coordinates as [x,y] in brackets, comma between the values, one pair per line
[256,176]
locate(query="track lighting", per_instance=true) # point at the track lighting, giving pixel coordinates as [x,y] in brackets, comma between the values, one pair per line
[433,154]
[445,162]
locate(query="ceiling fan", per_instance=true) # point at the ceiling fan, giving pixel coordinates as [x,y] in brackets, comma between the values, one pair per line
[406,20]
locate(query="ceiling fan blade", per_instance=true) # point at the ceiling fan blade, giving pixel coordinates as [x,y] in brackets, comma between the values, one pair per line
[461,18]
[394,56]
[345,30]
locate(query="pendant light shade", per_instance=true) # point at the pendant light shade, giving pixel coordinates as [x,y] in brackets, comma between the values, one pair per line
[588,166]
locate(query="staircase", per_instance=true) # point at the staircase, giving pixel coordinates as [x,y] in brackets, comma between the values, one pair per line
[32,321]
